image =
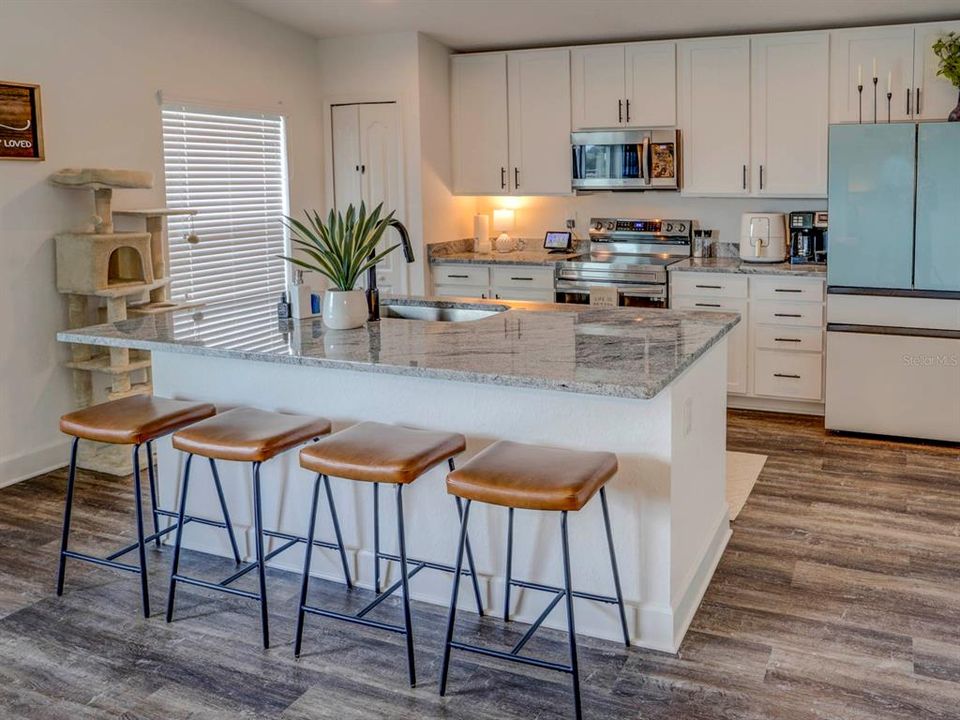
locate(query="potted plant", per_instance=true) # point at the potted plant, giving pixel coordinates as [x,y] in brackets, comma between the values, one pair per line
[947,48]
[342,249]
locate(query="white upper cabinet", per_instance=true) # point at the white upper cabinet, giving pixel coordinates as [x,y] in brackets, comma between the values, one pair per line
[714,112]
[539,114]
[852,54]
[790,78]
[511,123]
[623,86]
[597,78]
[479,120]
[934,96]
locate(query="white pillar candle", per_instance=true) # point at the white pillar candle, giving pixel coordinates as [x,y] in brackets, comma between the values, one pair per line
[874,68]
[889,81]
[859,74]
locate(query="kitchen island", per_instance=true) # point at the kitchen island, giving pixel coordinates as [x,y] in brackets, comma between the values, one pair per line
[648,385]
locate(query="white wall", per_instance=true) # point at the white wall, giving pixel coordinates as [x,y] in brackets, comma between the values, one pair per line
[100,65]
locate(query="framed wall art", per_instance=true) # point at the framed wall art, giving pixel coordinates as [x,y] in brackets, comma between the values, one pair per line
[21,127]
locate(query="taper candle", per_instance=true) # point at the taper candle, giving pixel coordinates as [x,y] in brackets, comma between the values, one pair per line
[874,68]
[859,74]
[889,81]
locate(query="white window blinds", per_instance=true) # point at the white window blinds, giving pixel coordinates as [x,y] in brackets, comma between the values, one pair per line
[231,168]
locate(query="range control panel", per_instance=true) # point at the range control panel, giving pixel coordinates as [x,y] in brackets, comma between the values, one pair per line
[641,227]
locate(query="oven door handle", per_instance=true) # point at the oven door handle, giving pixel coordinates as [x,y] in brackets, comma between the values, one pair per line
[654,291]
[645,163]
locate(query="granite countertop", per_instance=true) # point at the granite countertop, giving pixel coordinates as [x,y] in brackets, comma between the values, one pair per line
[461,252]
[620,352]
[736,265]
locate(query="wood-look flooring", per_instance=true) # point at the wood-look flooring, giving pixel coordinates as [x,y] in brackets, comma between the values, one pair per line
[838,597]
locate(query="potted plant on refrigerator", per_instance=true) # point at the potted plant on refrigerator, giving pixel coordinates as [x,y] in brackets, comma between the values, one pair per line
[342,249]
[947,48]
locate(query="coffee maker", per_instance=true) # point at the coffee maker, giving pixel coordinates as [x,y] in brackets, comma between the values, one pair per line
[808,237]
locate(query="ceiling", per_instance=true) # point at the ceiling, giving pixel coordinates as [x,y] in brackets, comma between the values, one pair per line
[496,24]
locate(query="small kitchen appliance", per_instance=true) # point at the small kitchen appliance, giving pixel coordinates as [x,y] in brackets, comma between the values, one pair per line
[763,237]
[808,237]
[626,160]
[628,257]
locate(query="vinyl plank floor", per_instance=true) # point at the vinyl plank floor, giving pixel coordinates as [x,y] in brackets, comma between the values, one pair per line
[838,599]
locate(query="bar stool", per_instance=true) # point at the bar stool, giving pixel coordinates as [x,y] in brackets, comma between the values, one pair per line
[248,435]
[529,477]
[378,453]
[136,421]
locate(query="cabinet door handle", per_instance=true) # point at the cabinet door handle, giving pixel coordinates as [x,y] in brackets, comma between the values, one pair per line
[790,290]
[628,109]
[709,305]
[787,340]
[358,168]
[497,296]
[787,375]
[503,178]
[909,98]
[521,278]
[620,111]
[793,315]
[744,177]
[363,169]
[483,296]
[918,102]
[458,276]
[516,177]
[711,287]
[761,177]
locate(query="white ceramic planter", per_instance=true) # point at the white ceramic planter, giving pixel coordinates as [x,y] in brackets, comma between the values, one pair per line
[344,309]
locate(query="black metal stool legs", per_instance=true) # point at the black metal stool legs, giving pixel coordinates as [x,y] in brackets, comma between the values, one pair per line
[67,510]
[261,563]
[153,494]
[470,564]
[181,512]
[376,538]
[506,585]
[451,618]
[336,533]
[613,566]
[226,513]
[571,626]
[404,579]
[308,556]
[141,546]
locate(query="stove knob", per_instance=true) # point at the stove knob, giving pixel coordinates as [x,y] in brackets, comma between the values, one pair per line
[681,228]
[668,227]
[610,226]
[598,226]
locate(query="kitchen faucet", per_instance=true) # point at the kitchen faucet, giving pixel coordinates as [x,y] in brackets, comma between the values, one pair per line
[373,294]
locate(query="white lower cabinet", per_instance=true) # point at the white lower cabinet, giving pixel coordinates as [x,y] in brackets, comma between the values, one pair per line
[775,354]
[507,282]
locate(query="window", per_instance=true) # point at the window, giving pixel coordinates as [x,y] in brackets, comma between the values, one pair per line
[231,168]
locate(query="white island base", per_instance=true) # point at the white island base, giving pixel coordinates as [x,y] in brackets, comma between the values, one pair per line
[668,507]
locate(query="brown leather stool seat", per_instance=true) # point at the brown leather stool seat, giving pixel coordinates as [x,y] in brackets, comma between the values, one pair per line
[249,435]
[133,420]
[532,477]
[376,452]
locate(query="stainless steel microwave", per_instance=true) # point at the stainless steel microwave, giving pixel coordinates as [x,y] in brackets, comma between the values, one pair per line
[626,160]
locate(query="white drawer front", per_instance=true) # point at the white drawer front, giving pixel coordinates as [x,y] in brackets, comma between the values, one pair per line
[519,276]
[779,313]
[531,294]
[777,337]
[684,302]
[792,289]
[461,275]
[788,374]
[708,284]
[472,291]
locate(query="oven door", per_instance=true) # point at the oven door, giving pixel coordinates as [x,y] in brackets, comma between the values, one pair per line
[627,160]
[638,295]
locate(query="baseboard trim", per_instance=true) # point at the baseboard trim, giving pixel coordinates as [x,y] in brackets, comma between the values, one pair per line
[17,468]
[796,407]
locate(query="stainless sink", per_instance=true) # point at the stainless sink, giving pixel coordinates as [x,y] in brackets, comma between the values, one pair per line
[436,314]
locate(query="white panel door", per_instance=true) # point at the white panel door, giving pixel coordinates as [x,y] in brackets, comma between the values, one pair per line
[479,120]
[714,105]
[651,84]
[598,86]
[790,95]
[380,172]
[346,156]
[539,113]
[852,52]
[934,96]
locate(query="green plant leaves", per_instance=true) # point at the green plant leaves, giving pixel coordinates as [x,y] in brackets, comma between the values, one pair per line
[947,48]
[344,246]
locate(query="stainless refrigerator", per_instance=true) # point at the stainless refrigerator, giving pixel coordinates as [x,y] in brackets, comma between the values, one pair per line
[893,280]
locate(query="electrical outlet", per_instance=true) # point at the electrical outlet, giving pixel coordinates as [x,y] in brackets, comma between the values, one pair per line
[571,224]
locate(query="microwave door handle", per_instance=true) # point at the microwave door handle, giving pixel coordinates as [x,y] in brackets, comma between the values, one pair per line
[645,164]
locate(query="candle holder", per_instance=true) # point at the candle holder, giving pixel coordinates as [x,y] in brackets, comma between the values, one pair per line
[860,102]
[875,80]
[889,98]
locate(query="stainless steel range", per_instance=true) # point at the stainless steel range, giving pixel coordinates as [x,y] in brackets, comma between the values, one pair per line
[629,256]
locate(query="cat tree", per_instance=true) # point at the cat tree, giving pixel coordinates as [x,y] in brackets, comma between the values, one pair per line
[109,276]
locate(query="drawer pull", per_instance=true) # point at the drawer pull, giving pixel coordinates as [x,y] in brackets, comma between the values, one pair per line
[521,278]
[711,287]
[451,275]
[788,340]
[793,315]
[709,305]
[786,375]
[790,290]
